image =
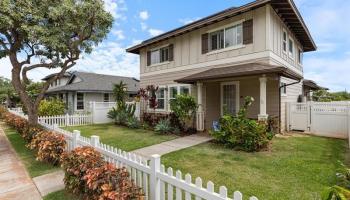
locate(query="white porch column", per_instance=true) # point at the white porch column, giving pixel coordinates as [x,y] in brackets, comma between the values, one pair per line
[200,113]
[262,115]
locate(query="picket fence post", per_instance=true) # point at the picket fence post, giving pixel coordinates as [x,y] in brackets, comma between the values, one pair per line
[67,119]
[54,127]
[154,180]
[76,135]
[95,140]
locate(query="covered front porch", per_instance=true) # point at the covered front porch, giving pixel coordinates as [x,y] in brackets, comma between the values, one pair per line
[220,90]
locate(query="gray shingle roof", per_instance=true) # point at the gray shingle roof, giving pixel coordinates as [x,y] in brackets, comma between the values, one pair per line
[96,83]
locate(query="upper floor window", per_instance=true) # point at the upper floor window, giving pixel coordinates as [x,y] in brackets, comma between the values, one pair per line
[291,48]
[160,55]
[106,97]
[300,56]
[227,37]
[284,42]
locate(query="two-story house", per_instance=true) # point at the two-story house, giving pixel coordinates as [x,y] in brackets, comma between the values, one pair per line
[252,50]
[77,89]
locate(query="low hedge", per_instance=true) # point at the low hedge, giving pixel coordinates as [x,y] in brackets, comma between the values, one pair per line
[86,172]
[89,176]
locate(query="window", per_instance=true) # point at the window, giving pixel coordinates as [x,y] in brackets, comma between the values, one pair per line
[80,101]
[105,97]
[161,98]
[291,48]
[300,56]
[284,41]
[160,55]
[172,92]
[283,88]
[227,37]
[184,90]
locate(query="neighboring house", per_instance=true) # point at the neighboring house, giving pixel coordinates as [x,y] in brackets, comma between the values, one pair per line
[252,50]
[309,87]
[77,89]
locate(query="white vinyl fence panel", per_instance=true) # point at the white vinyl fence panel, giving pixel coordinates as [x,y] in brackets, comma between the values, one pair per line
[157,182]
[330,119]
[67,120]
[99,111]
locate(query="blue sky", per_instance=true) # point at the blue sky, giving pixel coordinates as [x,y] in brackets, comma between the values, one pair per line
[137,20]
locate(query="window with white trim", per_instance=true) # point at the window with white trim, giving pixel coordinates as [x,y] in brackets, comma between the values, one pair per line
[160,55]
[80,101]
[283,87]
[300,56]
[174,90]
[160,95]
[284,41]
[291,47]
[227,37]
[106,97]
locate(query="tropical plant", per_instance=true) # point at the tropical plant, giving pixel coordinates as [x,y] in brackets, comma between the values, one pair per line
[76,164]
[109,182]
[121,114]
[341,191]
[163,127]
[152,97]
[133,122]
[50,35]
[51,107]
[120,92]
[184,108]
[241,132]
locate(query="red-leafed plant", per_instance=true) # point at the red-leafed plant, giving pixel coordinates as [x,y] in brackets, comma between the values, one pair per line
[108,183]
[75,165]
[50,146]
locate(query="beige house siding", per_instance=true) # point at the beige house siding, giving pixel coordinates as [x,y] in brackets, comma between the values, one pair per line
[187,47]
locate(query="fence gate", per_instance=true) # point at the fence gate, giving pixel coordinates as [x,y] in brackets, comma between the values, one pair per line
[331,119]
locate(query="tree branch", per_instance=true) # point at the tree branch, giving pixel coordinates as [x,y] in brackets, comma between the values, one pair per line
[29,56]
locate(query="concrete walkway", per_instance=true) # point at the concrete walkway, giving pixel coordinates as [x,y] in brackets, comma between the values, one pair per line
[15,183]
[173,145]
[49,182]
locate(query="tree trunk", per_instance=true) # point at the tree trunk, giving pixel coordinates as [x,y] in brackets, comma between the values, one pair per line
[32,115]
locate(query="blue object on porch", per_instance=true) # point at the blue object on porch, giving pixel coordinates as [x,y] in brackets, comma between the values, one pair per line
[216,126]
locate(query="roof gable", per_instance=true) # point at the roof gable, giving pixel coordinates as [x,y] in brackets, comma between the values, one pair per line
[286,9]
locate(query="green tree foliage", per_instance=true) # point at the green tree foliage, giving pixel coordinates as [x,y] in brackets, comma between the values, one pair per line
[7,92]
[48,34]
[184,108]
[325,96]
[120,92]
[51,107]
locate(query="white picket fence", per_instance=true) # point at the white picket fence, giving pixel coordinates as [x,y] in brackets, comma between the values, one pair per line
[157,182]
[67,120]
[330,119]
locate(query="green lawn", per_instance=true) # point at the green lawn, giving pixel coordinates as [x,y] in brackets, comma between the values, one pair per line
[60,195]
[122,137]
[34,168]
[294,168]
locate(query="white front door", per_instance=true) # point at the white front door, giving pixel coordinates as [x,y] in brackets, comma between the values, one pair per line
[229,97]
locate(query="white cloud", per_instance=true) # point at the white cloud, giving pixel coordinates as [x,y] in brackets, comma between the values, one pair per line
[144,15]
[188,20]
[154,32]
[144,26]
[328,72]
[119,34]
[5,67]
[115,7]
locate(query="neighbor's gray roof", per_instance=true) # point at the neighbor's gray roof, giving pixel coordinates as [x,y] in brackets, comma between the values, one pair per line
[313,85]
[92,82]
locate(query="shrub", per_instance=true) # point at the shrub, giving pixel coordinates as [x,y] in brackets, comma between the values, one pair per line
[184,108]
[163,126]
[75,165]
[122,113]
[341,191]
[108,182]
[3,111]
[50,146]
[133,122]
[241,132]
[51,107]
[29,132]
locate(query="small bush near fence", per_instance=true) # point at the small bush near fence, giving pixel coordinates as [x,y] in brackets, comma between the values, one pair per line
[89,176]
[49,146]
[242,133]
[52,107]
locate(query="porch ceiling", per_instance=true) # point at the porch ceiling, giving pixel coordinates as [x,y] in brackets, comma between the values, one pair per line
[249,69]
